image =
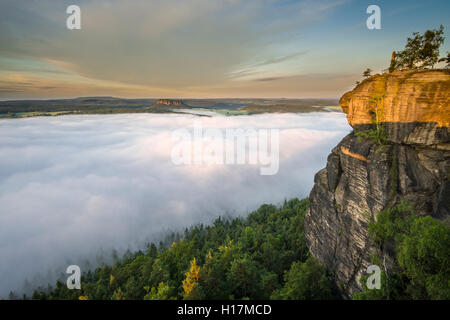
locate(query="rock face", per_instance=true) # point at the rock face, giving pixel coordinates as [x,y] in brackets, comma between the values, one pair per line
[362,178]
[415,105]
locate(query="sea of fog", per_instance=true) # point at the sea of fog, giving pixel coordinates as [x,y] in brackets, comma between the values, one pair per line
[72,188]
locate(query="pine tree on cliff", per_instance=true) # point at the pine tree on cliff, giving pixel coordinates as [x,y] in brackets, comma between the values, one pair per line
[367,73]
[421,51]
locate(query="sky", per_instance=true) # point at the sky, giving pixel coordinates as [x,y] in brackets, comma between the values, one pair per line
[76,187]
[202,48]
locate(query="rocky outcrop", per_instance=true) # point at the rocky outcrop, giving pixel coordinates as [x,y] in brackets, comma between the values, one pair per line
[170,102]
[362,178]
[415,105]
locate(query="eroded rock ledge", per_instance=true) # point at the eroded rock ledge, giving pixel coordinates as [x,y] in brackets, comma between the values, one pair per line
[362,178]
[415,105]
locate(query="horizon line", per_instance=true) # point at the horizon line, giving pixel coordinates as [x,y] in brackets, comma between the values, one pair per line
[171,98]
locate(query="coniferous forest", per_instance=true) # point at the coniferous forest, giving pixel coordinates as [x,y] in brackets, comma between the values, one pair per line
[261,256]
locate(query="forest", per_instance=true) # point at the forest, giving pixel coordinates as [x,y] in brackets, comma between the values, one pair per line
[265,256]
[262,256]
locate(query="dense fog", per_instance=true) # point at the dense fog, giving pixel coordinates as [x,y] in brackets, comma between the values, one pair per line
[72,188]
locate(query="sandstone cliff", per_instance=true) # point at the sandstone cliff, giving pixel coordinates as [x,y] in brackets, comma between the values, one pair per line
[362,177]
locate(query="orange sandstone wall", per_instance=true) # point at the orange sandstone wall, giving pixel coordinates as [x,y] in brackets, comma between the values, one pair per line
[407,96]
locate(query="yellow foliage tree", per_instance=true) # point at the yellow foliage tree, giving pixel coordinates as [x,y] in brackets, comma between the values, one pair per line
[227,246]
[118,295]
[190,284]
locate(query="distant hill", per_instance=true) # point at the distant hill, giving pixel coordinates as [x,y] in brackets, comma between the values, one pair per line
[290,105]
[43,105]
[109,105]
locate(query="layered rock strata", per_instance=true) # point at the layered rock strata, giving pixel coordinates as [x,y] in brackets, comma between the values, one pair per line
[363,177]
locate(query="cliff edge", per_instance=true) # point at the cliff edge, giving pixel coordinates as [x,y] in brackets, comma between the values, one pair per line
[399,150]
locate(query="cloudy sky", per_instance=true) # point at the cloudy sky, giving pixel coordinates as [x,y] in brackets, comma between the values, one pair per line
[201,48]
[73,186]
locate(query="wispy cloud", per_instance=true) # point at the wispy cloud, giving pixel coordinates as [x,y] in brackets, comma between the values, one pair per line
[260,68]
[269,79]
[282,59]
[173,45]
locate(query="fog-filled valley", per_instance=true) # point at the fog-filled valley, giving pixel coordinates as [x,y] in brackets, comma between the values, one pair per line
[73,188]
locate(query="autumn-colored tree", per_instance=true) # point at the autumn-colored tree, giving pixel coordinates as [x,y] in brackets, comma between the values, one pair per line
[118,295]
[394,62]
[190,284]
